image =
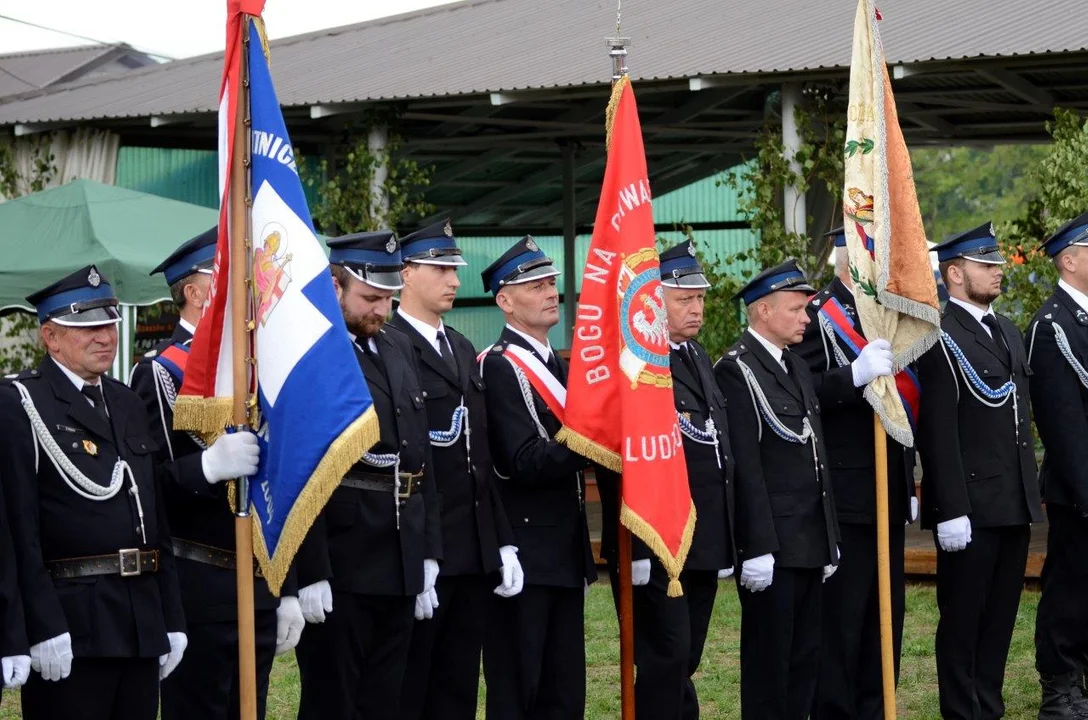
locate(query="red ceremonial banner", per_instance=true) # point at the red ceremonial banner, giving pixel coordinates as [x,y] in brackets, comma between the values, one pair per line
[620,410]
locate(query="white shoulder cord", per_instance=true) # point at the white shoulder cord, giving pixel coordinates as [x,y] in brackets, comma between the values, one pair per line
[165,383]
[763,408]
[73,477]
[707,436]
[1067,352]
[979,389]
[527,396]
[829,334]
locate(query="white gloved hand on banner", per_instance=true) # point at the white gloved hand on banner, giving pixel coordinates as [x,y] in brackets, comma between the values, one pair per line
[169,661]
[513,577]
[52,657]
[640,573]
[16,670]
[874,360]
[289,624]
[316,601]
[757,574]
[955,534]
[231,456]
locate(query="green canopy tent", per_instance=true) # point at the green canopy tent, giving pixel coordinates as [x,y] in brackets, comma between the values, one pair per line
[52,233]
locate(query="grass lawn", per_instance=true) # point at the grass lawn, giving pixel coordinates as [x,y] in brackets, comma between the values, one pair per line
[719,679]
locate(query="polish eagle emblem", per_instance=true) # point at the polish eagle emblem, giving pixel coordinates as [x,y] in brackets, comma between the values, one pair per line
[644,334]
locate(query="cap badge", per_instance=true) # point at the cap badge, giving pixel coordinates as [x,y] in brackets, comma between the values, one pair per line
[691,250]
[391,246]
[448,230]
[531,244]
[992,232]
[93,278]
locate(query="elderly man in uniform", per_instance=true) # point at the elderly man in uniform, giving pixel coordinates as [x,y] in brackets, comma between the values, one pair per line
[476,538]
[201,521]
[100,591]
[670,632]
[534,651]
[979,487]
[1057,351]
[787,535]
[14,657]
[372,555]
[850,685]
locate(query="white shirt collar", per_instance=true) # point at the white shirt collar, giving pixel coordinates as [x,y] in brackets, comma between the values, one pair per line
[185,324]
[774,350]
[429,333]
[677,346]
[1078,297]
[545,351]
[76,379]
[976,312]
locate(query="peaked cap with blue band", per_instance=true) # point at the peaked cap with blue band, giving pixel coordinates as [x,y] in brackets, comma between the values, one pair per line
[83,299]
[193,256]
[1074,232]
[839,234]
[977,244]
[433,245]
[523,262]
[681,269]
[786,276]
[371,257]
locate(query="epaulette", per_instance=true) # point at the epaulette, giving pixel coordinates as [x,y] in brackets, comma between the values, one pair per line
[498,349]
[735,352]
[818,299]
[29,374]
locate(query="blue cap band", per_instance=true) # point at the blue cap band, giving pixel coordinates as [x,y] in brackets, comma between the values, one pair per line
[510,267]
[424,245]
[840,240]
[187,264]
[680,263]
[973,246]
[769,285]
[1073,235]
[354,256]
[64,300]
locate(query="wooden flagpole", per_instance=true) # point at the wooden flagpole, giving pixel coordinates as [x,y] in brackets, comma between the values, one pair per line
[240,336]
[883,565]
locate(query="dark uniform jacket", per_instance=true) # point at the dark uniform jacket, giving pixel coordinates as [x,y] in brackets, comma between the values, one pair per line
[1060,400]
[355,543]
[785,503]
[539,480]
[107,615]
[976,460]
[12,631]
[697,398]
[198,511]
[474,524]
[848,422]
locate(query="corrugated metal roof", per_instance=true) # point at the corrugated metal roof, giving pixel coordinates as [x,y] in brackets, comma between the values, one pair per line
[25,72]
[479,46]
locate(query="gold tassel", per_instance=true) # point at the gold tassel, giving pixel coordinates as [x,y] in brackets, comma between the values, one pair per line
[589,449]
[610,111]
[207,416]
[344,452]
[259,22]
[645,532]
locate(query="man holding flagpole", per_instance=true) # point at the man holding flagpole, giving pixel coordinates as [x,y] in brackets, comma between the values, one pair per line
[200,519]
[534,650]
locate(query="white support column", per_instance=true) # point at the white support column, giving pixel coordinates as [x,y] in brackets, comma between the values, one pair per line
[126,335]
[793,202]
[376,142]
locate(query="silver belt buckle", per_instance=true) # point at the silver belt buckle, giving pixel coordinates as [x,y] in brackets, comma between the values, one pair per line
[130,558]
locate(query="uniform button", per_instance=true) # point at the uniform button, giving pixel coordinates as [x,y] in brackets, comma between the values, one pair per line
[1024,444]
[824,493]
[404,443]
[473,468]
[398,412]
[75,446]
[683,403]
[33,372]
[526,520]
[424,393]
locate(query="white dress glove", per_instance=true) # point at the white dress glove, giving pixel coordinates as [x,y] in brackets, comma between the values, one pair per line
[169,661]
[954,535]
[913,510]
[874,360]
[829,570]
[725,573]
[513,577]
[427,601]
[758,573]
[53,657]
[16,670]
[316,600]
[640,573]
[231,456]
[289,624]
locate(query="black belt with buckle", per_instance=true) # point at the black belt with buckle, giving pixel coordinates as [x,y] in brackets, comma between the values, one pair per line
[410,483]
[220,558]
[126,563]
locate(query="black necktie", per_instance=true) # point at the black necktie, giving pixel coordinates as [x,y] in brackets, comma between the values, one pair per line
[990,321]
[94,394]
[445,353]
[688,360]
[372,354]
[553,365]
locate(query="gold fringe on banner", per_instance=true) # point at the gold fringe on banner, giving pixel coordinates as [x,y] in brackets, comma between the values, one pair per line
[590,449]
[610,111]
[207,416]
[674,564]
[344,452]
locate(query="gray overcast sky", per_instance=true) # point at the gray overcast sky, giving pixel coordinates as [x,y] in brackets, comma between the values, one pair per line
[177,29]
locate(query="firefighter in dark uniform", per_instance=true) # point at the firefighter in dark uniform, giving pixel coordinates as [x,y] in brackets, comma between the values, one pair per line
[376,545]
[1058,350]
[670,632]
[476,538]
[201,520]
[786,533]
[100,591]
[850,685]
[14,651]
[979,486]
[534,651]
